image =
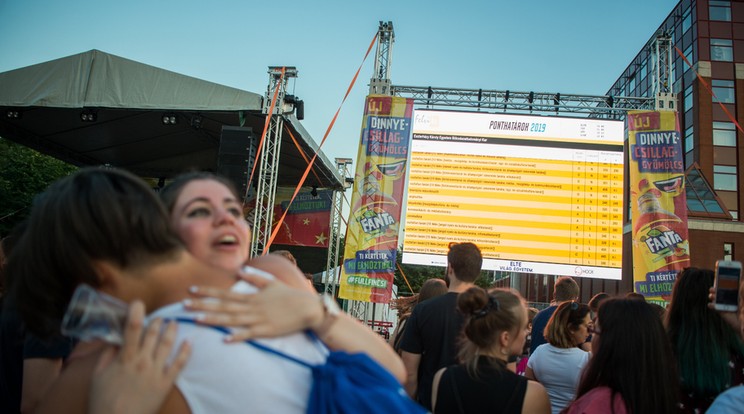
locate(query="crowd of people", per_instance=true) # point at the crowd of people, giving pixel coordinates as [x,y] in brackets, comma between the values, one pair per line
[209,329]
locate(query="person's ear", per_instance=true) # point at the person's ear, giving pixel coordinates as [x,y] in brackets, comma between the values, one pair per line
[107,275]
[504,339]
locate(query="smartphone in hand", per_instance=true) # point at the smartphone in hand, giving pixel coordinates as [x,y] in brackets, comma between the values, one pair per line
[728,278]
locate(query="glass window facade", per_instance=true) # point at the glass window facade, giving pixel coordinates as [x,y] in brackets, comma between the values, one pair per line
[686,19]
[688,102]
[728,251]
[723,91]
[689,140]
[724,177]
[719,10]
[700,197]
[722,50]
[724,134]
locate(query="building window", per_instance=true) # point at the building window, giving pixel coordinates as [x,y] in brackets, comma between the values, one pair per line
[723,91]
[643,71]
[724,134]
[688,102]
[689,140]
[728,251]
[724,177]
[631,85]
[722,50]
[686,20]
[719,10]
[734,214]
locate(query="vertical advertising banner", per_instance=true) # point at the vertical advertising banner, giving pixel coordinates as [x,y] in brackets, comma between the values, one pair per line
[308,221]
[372,233]
[658,202]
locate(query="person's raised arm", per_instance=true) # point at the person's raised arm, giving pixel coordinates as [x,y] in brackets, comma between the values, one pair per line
[137,377]
[732,318]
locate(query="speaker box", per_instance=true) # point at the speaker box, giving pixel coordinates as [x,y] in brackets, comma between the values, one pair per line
[236,155]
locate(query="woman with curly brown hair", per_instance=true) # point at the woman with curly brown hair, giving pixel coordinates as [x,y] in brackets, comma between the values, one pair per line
[430,289]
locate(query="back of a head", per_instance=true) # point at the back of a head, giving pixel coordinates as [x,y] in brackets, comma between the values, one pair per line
[635,296]
[596,300]
[94,214]
[702,341]
[565,289]
[632,342]
[432,288]
[287,255]
[466,261]
[487,315]
[170,193]
[566,318]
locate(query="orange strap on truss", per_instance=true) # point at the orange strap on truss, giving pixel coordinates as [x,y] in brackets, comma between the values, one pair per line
[707,86]
[263,135]
[315,156]
[299,149]
[404,277]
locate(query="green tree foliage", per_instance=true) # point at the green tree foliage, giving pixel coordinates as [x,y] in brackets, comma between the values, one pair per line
[23,174]
[418,274]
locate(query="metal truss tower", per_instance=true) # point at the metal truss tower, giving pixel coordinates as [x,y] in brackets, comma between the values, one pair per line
[661,50]
[334,243]
[263,214]
[380,82]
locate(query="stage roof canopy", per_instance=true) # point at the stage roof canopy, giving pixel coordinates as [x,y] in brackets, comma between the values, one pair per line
[127,101]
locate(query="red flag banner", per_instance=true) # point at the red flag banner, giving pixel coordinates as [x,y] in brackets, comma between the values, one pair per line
[308,220]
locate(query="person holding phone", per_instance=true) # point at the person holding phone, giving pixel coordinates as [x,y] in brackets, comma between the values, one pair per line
[707,350]
[731,400]
[728,278]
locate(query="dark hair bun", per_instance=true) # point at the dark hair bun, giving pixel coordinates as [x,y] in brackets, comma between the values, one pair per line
[472,300]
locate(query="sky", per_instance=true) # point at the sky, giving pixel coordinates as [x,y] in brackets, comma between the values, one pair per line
[571,46]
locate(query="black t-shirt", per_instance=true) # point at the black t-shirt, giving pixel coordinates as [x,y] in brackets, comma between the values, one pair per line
[11,359]
[16,346]
[432,331]
[539,322]
[494,390]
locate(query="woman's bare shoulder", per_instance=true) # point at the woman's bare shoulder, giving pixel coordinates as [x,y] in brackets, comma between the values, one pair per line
[69,393]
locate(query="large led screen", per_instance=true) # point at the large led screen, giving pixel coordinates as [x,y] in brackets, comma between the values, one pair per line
[537,194]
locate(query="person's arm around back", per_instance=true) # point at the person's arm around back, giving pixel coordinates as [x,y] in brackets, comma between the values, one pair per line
[411,363]
[38,376]
[536,399]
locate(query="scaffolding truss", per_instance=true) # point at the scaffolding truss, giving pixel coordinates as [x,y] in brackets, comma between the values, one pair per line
[330,280]
[263,214]
[596,106]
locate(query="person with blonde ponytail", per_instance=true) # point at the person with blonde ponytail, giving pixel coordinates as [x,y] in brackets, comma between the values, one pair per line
[495,328]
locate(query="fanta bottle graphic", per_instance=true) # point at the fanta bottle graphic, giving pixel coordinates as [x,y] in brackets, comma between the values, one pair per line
[658,232]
